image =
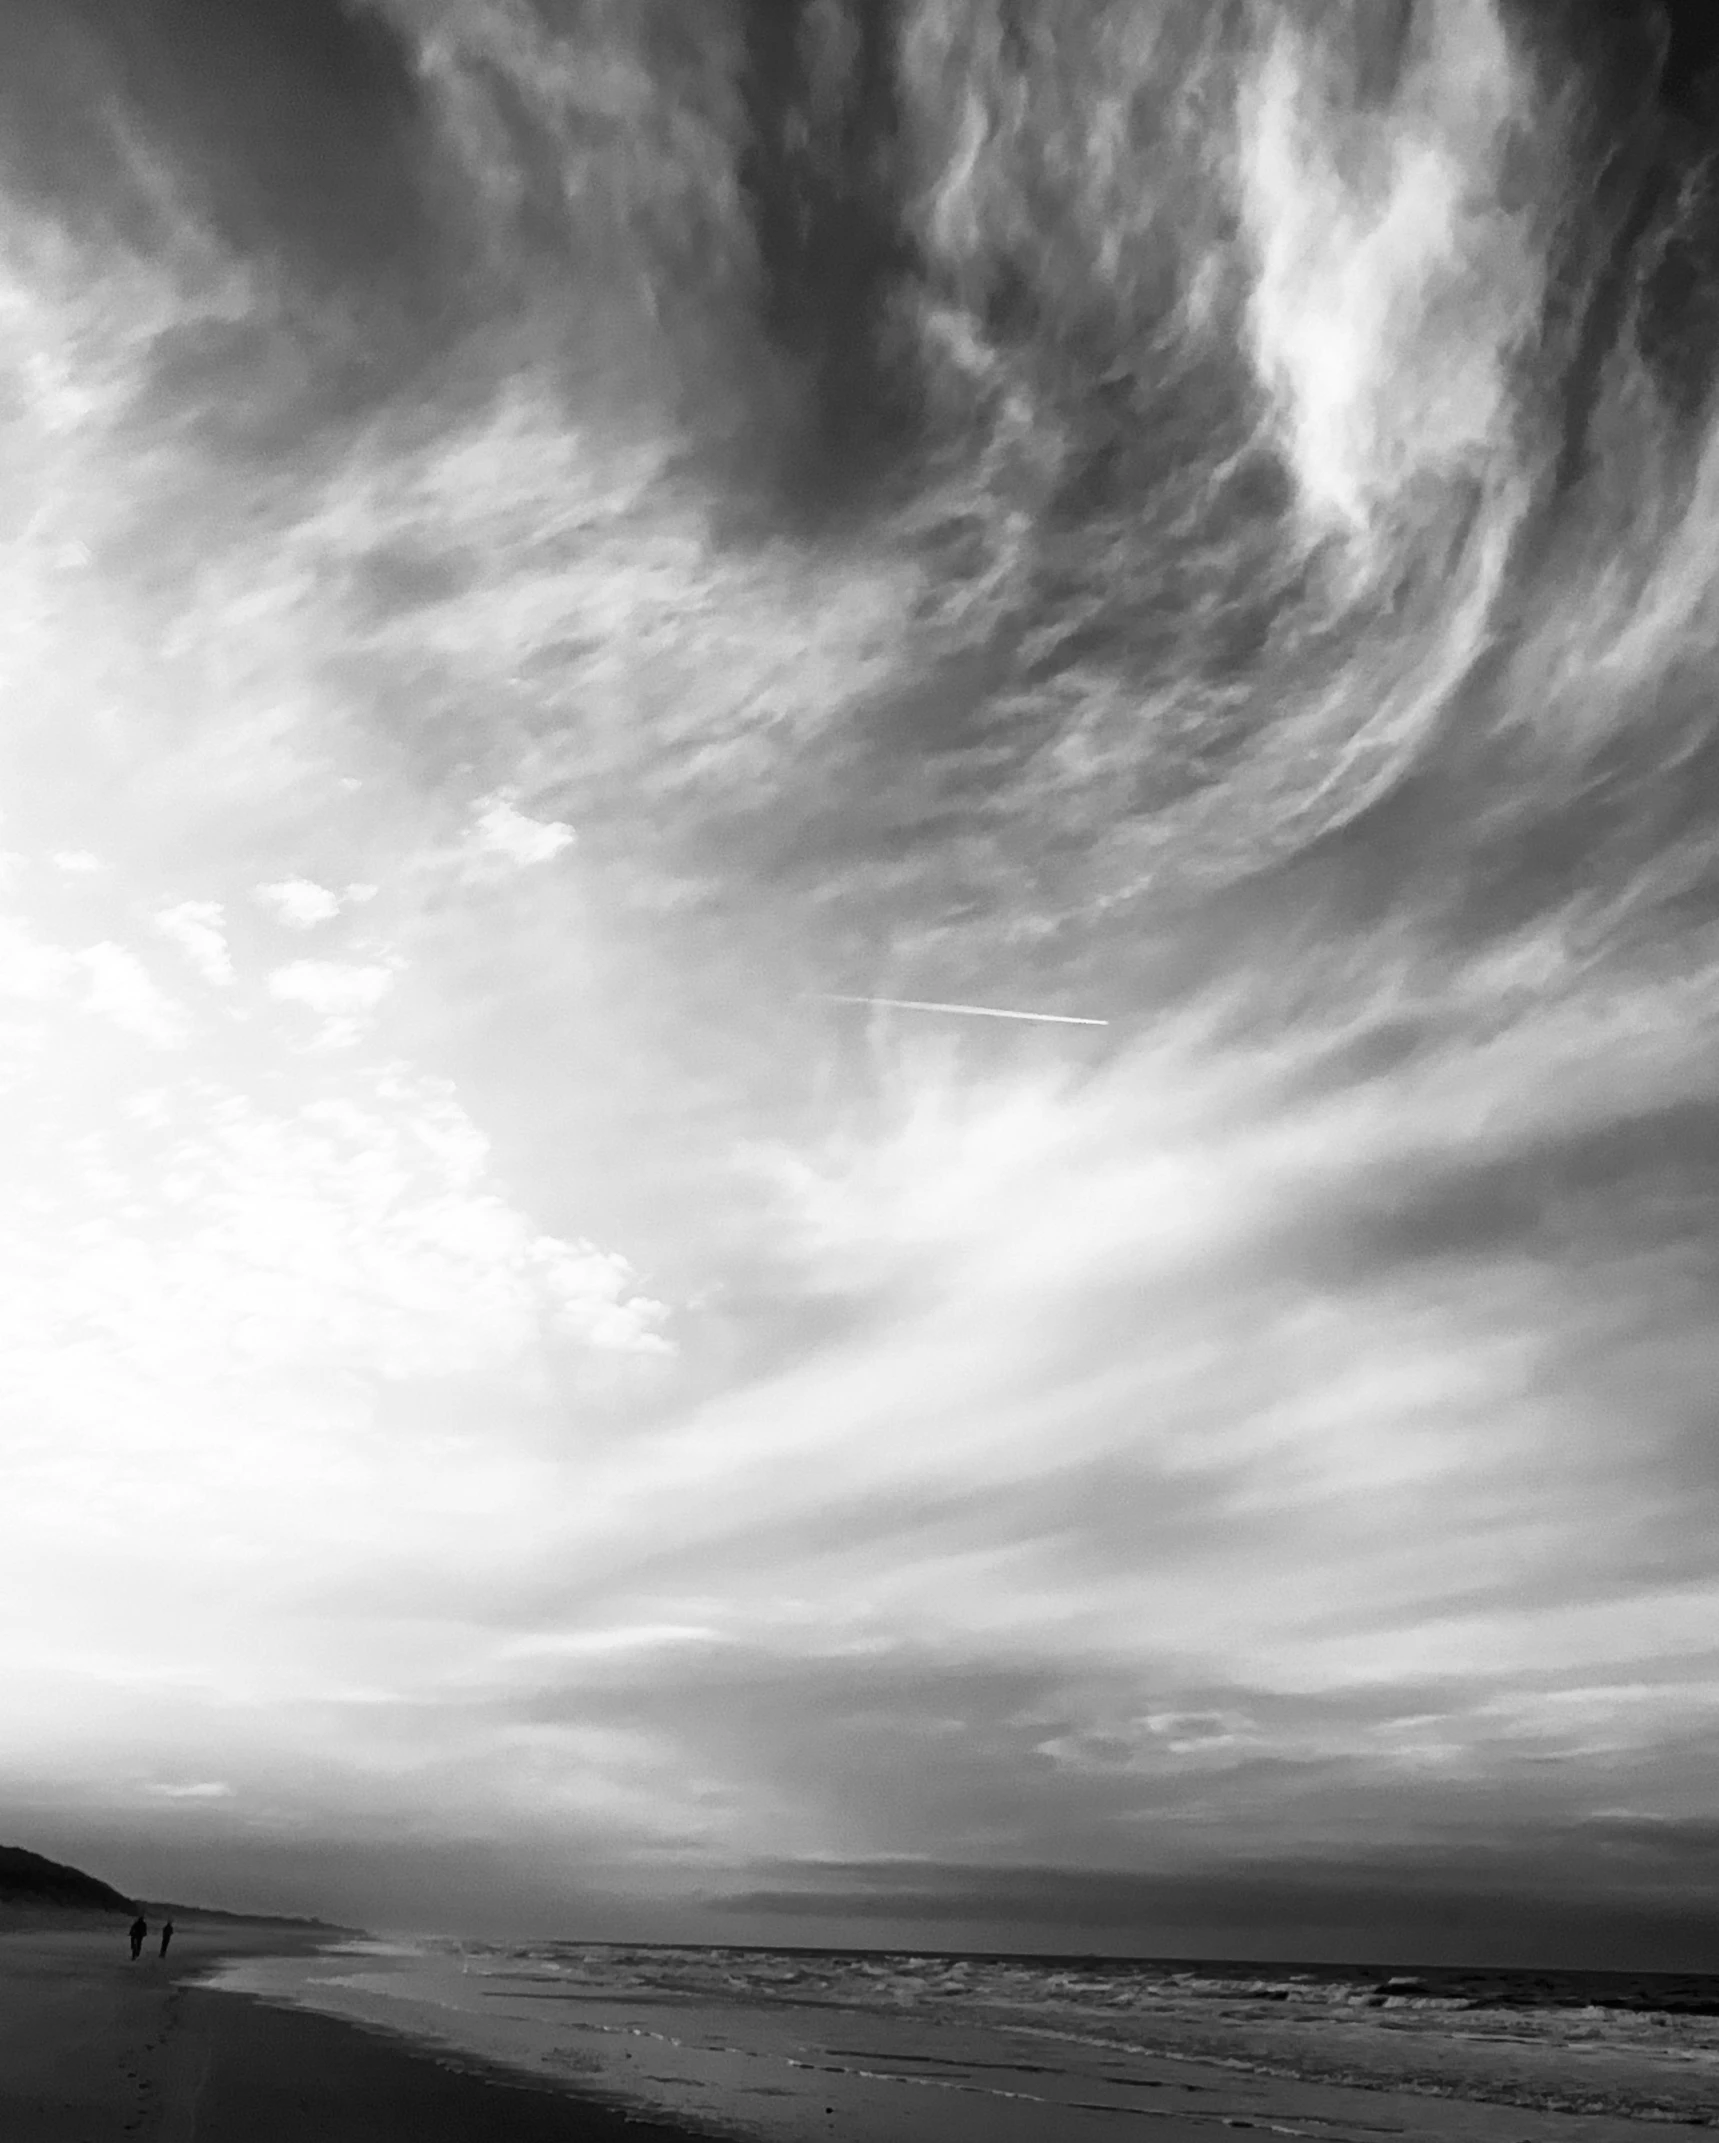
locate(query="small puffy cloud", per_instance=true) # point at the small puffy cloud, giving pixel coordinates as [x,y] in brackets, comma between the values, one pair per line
[227,1262]
[212,1789]
[196,927]
[300,903]
[593,1295]
[117,986]
[30,969]
[76,862]
[504,838]
[120,989]
[338,989]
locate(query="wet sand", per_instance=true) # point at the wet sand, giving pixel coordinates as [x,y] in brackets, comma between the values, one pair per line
[97,2049]
[364,2044]
[780,2069]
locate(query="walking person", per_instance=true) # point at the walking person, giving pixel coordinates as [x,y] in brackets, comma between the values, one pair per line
[166,1937]
[139,1928]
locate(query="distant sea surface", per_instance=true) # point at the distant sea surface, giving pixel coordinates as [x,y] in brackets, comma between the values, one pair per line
[785,2045]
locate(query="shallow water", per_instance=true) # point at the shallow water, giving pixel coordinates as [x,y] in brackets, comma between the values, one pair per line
[787,2045]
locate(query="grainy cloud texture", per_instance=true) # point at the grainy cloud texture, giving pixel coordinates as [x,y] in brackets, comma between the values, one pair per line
[549,541]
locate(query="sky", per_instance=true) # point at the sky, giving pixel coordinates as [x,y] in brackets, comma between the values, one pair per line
[553,545]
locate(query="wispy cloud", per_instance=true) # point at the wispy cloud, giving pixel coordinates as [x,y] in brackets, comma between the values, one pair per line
[499,631]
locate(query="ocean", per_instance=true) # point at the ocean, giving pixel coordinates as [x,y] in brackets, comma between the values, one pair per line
[786,2045]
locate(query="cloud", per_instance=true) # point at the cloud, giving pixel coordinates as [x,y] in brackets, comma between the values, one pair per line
[1430,1909]
[31,969]
[202,1790]
[121,989]
[298,902]
[504,837]
[341,990]
[360,1229]
[1390,279]
[195,926]
[254,1357]
[594,1397]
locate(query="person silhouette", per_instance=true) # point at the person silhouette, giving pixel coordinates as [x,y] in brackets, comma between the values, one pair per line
[139,1928]
[166,1937]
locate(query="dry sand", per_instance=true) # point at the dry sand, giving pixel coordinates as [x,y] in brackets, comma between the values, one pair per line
[97,2049]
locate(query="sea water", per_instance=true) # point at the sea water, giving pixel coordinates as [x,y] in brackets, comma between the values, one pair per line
[785,2045]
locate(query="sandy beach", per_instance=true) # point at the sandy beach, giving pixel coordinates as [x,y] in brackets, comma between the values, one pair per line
[784,2048]
[95,2048]
[305,2034]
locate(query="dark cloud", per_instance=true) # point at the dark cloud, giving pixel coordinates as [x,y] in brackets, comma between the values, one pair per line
[294,128]
[816,168]
[1120,660]
[1672,1848]
[1336,1908]
[1644,1180]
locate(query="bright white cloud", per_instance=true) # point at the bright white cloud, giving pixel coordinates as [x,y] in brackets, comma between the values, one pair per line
[300,903]
[76,862]
[1393,289]
[361,1230]
[197,928]
[339,989]
[121,989]
[592,1291]
[504,837]
[29,967]
[293,1342]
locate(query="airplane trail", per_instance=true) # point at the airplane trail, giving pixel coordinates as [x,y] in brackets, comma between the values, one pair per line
[919,1004]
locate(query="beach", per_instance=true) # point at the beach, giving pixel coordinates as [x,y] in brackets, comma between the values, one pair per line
[95,2048]
[260,2033]
[871,2047]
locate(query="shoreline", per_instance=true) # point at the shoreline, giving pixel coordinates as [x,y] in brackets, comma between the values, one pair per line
[258,2032]
[94,2046]
[789,2066]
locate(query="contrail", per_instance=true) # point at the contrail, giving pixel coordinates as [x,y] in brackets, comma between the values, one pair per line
[919,1004]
